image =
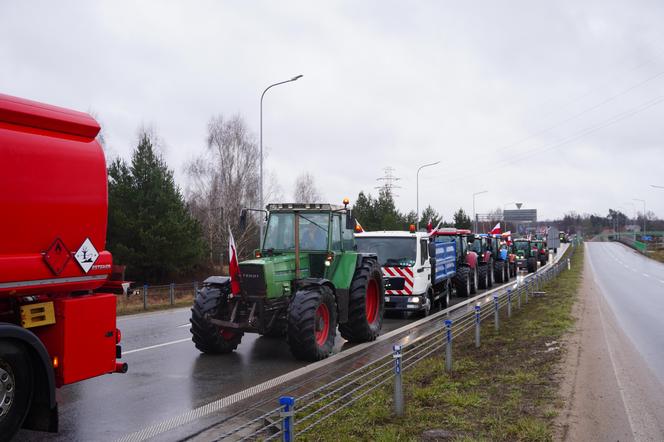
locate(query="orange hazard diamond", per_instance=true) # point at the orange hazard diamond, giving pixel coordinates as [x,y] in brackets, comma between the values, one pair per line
[57,256]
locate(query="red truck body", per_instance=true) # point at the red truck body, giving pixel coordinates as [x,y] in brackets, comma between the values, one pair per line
[54,200]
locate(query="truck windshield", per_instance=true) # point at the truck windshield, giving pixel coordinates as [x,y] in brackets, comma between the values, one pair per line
[280,234]
[392,252]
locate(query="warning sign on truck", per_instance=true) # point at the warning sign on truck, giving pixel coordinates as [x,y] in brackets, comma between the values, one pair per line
[86,255]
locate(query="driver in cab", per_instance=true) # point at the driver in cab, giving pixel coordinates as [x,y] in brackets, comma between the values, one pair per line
[313,237]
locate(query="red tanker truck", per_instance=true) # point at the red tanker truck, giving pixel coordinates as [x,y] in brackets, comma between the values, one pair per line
[56,328]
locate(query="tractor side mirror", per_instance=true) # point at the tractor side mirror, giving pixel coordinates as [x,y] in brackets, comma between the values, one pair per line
[243,220]
[350,221]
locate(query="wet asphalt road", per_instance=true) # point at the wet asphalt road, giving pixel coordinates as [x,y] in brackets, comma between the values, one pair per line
[633,286]
[167,376]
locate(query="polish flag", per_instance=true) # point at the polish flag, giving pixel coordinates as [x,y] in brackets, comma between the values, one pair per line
[233,264]
[430,225]
[495,230]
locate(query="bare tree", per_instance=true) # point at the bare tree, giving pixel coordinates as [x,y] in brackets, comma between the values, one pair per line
[305,189]
[223,181]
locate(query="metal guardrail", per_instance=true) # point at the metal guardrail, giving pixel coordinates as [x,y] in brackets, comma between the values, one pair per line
[300,414]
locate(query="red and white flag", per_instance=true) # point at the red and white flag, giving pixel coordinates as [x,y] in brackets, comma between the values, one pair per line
[430,226]
[233,264]
[496,230]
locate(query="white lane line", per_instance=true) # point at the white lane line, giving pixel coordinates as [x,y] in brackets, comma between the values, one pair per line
[155,346]
[183,325]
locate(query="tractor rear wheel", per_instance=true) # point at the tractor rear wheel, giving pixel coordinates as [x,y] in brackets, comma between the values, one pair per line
[366,304]
[489,274]
[210,302]
[482,275]
[312,323]
[462,282]
[499,271]
[16,387]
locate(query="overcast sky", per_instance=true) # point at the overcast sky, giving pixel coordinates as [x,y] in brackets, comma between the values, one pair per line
[558,105]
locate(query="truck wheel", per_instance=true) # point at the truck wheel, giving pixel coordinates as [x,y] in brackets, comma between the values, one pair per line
[499,271]
[462,282]
[482,275]
[208,337]
[16,386]
[366,304]
[312,323]
[474,281]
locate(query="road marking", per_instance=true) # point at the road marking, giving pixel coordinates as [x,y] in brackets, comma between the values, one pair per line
[183,325]
[155,346]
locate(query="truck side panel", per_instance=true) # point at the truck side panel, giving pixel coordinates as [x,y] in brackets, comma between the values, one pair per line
[445,260]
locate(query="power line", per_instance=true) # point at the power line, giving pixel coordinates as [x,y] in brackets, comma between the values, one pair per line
[389,181]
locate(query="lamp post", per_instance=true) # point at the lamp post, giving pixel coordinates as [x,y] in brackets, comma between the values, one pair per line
[644,213]
[657,187]
[417,196]
[634,213]
[474,214]
[297,77]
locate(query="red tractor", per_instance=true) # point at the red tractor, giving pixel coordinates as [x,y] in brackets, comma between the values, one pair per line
[466,279]
[54,328]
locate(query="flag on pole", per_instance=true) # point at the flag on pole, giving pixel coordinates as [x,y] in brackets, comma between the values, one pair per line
[495,230]
[233,264]
[430,226]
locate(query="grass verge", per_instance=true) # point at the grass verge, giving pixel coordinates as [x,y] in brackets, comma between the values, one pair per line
[506,390]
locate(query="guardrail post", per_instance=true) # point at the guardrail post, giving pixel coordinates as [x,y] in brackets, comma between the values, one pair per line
[509,303]
[569,264]
[448,349]
[496,312]
[398,387]
[477,324]
[287,405]
[145,296]
[171,293]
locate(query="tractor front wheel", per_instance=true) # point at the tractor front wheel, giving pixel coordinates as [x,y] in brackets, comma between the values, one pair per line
[462,281]
[312,323]
[210,302]
[365,305]
[498,271]
[482,276]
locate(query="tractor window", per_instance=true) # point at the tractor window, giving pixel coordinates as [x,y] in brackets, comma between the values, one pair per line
[313,231]
[336,232]
[347,235]
[476,246]
[280,234]
[522,245]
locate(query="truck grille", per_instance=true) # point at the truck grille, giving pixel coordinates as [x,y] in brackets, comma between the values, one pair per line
[253,279]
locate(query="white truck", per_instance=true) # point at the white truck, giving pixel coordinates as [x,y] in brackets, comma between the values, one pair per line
[418,272]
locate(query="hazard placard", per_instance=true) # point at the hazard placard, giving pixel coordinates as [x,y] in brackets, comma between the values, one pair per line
[86,255]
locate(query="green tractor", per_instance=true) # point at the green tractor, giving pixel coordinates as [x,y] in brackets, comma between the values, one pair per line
[305,280]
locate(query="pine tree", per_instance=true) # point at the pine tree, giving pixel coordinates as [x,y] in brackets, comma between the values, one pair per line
[430,214]
[150,229]
[461,220]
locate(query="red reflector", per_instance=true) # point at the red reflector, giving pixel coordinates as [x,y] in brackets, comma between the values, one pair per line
[118,336]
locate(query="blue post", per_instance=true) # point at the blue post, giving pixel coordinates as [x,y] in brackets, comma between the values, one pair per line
[288,404]
[398,386]
[477,324]
[496,314]
[448,350]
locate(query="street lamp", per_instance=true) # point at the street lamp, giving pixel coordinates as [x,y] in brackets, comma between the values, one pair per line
[644,213]
[417,197]
[657,187]
[475,215]
[297,77]
[634,214]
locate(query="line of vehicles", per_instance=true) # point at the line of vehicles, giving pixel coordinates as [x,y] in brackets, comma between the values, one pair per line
[315,273]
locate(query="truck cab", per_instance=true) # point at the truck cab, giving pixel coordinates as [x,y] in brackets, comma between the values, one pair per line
[417,273]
